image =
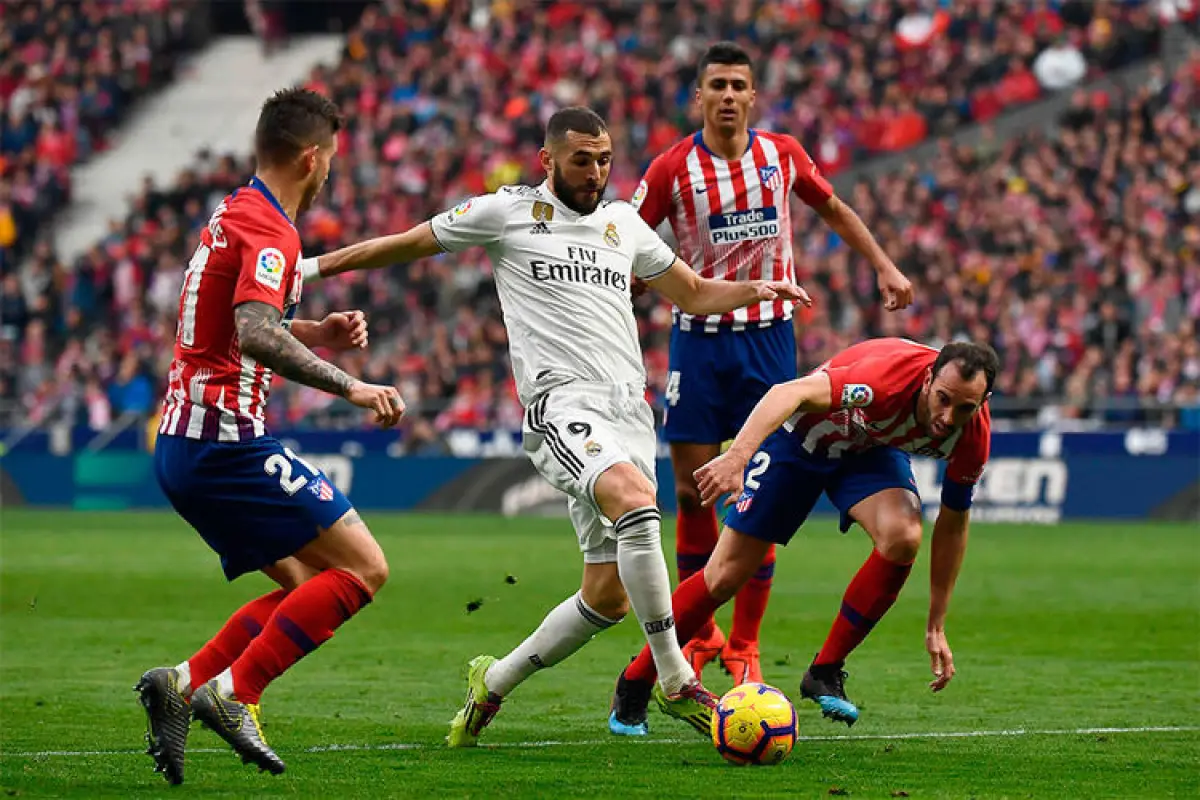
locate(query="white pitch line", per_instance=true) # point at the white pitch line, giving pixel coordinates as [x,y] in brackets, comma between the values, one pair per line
[356,748]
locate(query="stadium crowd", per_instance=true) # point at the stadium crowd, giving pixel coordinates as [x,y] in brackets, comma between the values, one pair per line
[1074,254]
[69,73]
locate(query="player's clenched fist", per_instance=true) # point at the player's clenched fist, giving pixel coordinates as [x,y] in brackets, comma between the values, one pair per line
[782,290]
[344,330]
[720,476]
[385,401]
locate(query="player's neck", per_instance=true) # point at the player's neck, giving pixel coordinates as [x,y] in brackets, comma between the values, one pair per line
[730,148]
[286,192]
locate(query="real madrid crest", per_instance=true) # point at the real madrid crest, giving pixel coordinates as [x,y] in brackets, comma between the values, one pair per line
[610,235]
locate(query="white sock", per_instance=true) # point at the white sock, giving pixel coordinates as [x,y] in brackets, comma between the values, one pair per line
[567,628]
[185,678]
[643,570]
[225,684]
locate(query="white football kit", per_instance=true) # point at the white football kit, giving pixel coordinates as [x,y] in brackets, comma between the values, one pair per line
[564,285]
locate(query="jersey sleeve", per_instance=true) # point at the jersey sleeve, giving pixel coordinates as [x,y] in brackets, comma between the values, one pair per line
[652,256]
[966,463]
[861,383]
[970,455]
[477,221]
[810,185]
[267,252]
[652,200]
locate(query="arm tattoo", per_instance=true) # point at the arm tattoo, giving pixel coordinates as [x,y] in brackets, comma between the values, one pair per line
[261,337]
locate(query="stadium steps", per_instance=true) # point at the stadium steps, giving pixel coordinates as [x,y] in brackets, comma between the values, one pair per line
[214,104]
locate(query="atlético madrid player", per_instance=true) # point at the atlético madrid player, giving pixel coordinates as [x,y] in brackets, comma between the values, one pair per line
[255,502]
[726,191]
[847,430]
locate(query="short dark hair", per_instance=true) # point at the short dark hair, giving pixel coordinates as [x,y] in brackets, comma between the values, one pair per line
[726,53]
[971,358]
[580,119]
[291,121]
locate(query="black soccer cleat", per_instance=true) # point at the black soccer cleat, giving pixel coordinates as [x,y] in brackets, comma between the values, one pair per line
[236,723]
[631,699]
[825,685]
[168,716]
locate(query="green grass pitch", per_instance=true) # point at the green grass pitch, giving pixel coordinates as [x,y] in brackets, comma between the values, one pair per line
[1057,631]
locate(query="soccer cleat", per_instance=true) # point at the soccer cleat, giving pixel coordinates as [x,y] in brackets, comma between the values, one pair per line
[701,652]
[238,724]
[693,704]
[479,709]
[168,716]
[627,717]
[743,665]
[824,684]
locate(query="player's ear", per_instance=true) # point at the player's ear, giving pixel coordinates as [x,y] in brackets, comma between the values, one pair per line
[547,160]
[310,157]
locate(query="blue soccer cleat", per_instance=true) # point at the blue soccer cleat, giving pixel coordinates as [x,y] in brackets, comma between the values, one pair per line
[824,684]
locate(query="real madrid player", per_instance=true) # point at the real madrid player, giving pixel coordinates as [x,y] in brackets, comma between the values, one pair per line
[563,260]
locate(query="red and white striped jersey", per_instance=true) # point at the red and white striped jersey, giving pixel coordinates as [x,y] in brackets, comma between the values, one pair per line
[874,387]
[248,253]
[733,218]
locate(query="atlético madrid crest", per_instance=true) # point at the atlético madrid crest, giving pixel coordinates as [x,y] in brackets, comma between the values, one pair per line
[771,177]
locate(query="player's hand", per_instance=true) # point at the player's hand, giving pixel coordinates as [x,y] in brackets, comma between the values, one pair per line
[720,476]
[385,401]
[638,287]
[896,289]
[344,330]
[783,290]
[941,660]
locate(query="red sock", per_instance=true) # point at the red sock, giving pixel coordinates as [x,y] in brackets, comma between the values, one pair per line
[241,628]
[695,540]
[868,597]
[692,606]
[305,619]
[750,605]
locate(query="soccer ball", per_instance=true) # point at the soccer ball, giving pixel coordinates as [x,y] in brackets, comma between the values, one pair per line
[754,724]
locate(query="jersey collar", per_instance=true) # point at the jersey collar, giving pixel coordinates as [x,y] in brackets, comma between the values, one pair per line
[257,184]
[698,140]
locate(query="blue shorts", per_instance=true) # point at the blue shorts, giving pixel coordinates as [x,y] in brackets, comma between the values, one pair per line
[253,502]
[783,484]
[716,379]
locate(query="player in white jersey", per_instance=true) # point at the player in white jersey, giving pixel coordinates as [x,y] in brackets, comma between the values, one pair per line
[563,259]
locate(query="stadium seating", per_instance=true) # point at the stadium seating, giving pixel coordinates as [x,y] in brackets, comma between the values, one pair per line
[1083,289]
[69,72]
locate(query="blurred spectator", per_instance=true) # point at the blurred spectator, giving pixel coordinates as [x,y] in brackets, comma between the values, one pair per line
[69,72]
[1074,254]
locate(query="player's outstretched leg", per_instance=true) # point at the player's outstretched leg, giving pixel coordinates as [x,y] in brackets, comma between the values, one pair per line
[626,496]
[353,570]
[892,517]
[168,717]
[695,540]
[736,558]
[739,656]
[568,627]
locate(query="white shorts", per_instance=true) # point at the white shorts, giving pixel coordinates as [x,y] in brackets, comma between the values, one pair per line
[573,433]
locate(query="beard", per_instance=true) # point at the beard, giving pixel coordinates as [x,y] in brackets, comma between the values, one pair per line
[575,197]
[311,192]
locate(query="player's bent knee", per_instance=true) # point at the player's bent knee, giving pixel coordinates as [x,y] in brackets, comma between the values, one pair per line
[900,542]
[622,488]
[723,581]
